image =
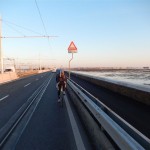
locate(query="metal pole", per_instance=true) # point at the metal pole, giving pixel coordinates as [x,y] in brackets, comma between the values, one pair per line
[39,61]
[14,64]
[69,65]
[1,53]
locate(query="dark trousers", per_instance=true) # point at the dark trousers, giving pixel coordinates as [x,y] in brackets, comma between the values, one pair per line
[59,88]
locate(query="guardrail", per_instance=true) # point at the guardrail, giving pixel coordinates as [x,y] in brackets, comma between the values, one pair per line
[125,138]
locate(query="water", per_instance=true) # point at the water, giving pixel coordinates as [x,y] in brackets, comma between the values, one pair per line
[134,77]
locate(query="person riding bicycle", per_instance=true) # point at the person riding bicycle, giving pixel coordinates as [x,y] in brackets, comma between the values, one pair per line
[61,81]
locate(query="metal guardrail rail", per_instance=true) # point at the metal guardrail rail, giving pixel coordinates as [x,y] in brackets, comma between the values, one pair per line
[121,132]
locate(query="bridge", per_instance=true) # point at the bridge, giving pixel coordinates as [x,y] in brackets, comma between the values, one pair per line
[95,115]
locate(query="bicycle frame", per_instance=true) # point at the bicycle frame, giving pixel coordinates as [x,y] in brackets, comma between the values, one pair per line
[61,96]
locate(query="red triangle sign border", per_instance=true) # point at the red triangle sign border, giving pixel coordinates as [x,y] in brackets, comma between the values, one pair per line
[72,46]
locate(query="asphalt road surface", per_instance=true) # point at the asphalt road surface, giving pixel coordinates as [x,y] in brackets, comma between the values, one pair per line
[50,126]
[14,94]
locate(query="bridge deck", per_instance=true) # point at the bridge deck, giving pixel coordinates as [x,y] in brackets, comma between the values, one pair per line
[50,126]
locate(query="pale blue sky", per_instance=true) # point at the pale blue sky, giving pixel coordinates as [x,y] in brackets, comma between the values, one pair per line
[107,33]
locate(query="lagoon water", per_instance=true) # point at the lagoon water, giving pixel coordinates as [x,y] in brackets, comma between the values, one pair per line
[135,77]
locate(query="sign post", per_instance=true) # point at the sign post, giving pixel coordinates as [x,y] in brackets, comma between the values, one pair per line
[71,49]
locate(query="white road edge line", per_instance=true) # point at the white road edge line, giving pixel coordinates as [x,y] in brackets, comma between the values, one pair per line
[78,139]
[4,97]
[27,84]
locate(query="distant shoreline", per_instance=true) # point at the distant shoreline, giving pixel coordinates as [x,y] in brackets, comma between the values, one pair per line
[110,69]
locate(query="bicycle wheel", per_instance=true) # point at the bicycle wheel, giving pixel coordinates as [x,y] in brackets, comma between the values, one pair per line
[61,99]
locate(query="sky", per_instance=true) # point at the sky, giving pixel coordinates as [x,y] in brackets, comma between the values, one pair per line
[107,33]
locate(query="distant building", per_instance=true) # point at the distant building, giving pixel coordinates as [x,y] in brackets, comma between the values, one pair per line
[9,69]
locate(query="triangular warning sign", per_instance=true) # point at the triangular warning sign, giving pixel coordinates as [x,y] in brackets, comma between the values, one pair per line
[72,47]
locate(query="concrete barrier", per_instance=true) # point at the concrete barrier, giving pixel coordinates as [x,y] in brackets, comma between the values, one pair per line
[5,77]
[42,71]
[135,92]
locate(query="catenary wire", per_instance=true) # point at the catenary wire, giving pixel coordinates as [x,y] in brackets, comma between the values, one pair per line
[42,22]
[21,27]
[14,29]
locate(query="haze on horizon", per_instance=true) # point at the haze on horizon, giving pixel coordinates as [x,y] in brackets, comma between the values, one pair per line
[107,33]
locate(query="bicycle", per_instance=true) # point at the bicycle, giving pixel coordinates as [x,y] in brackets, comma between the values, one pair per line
[61,96]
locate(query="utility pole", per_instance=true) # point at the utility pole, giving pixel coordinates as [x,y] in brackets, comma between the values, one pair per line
[39,61]
[1,53]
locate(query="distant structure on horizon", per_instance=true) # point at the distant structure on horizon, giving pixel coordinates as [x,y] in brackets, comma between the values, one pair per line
[9,69]
[145,67]
[106,68]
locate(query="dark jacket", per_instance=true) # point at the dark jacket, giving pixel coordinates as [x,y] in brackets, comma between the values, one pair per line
[61,79]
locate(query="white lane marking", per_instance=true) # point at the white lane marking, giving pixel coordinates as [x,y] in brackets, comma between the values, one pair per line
[27,84]
[4,97]
[78,139]
[37,79]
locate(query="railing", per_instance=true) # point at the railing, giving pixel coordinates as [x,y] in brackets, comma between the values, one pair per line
[122,133]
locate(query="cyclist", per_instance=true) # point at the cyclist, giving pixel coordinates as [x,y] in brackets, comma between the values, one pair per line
[61,81]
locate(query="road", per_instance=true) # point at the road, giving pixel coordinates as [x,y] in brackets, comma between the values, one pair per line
[135,113]
[50,126]
[14,94]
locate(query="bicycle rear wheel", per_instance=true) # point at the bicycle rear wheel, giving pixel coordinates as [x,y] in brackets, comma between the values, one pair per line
[61,96]
[62,101]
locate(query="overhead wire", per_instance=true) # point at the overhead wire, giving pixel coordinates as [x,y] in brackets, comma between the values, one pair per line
[46,34]
[11,25]
[41,17]
[8,22]
[42,22]
[14,29]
